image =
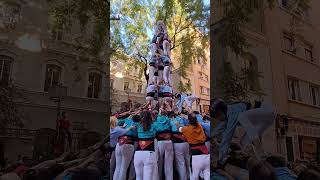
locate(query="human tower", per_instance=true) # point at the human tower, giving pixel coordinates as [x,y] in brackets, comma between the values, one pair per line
[159,89]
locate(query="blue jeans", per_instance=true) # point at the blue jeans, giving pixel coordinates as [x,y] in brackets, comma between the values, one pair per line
[232,120]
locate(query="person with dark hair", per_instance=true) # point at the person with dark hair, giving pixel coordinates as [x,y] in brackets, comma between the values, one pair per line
[125,149]
[189,101]
[145,158]
[280,165]
[181,146]
[164,145]
[198,116]
[260,170]
[200,161]
[309,174]
[181,98]
[254,122]
[63,132]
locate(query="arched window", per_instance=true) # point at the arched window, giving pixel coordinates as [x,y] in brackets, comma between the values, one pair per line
[94,86]
[53,76]
[5,68]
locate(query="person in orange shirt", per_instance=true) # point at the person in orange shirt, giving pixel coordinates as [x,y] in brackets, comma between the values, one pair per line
[200,161]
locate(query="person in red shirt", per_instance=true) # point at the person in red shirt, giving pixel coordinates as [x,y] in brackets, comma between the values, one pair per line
[64,126]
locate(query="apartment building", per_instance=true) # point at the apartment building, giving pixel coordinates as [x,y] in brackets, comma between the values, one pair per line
[35,59]
[198,76]
[291,74]
[127,83]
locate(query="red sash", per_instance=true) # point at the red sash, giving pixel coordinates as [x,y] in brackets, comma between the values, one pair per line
[202,148]
[164,136]
[125,140]
[180,136]
[144,144]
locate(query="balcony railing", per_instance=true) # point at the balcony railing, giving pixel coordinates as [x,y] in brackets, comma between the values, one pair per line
[18,133]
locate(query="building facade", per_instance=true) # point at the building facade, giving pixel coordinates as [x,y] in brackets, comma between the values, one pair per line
[35,59]
[198,76]
[290,74]
[127,83]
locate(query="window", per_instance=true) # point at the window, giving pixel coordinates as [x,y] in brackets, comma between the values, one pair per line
[126,86]
[203,76]
[139,88]
[290,4]
[9,14]
[206,78]
[53,76]
[94,86]
[204,90]
[294,90]
[5,68]
[111,83]
[308,53]
[289,43]
[314,94]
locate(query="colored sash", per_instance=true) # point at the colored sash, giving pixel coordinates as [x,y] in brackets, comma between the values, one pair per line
[145,145]
[178,137]
[125,140]
[199,149]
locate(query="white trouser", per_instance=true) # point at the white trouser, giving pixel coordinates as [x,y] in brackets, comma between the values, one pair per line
[165,158]
[189,100]
[153,48]
[152,70]
[200,164]
[124,154]
[182,160]
[166,74]
[112,164]
[145,164]
[255,122]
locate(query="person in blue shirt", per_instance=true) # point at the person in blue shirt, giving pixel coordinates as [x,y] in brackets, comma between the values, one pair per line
[181,98]
[125,148]
[280,166]
[181,147]
[145,158]
[164,145]
[198,116]
[115,133]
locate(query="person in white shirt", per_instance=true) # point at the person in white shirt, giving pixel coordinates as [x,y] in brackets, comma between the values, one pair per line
[189,100]
[151,92]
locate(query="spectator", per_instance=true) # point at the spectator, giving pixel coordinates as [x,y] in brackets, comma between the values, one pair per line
[280,165]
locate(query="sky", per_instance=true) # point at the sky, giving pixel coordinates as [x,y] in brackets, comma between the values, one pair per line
[149,32]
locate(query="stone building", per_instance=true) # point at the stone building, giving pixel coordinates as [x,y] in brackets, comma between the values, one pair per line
[198,76]
[127,83]
[290,69]
[35,59]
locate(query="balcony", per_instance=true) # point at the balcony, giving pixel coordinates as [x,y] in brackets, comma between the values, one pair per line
[18,133]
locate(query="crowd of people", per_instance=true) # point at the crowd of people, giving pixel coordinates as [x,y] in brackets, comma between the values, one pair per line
[88,163]
[246,159]
[155,144]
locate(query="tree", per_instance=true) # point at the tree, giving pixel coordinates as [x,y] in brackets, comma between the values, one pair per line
[10,116]
[132,34]
[238,14]
[92,16]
